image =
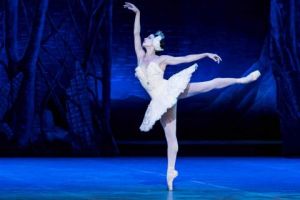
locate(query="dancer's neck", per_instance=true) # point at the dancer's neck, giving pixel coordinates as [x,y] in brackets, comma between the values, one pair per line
[150,52]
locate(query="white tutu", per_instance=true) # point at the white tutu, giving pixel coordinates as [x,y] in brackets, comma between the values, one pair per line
[164,93]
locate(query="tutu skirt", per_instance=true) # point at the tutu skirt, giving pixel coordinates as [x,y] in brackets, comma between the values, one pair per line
[166,96]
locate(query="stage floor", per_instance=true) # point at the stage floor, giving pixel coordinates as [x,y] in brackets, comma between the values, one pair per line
[142,178]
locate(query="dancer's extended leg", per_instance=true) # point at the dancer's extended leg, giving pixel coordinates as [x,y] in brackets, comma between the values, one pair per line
[168,121]
[217,83]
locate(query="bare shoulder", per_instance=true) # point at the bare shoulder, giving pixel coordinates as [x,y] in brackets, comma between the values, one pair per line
[162,61]
[163,58]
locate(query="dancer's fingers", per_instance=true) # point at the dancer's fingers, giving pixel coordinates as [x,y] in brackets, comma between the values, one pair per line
[218,58]
[128,7]
[129,4]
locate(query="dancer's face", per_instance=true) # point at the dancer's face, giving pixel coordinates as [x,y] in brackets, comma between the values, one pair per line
[148,41]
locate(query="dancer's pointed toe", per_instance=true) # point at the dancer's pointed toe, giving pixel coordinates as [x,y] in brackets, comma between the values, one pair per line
[255,75]
[171,175]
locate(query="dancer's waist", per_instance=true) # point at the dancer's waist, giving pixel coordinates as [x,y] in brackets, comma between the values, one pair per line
[154,87]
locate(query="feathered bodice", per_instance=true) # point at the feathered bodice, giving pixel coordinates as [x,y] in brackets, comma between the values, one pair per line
[150,77]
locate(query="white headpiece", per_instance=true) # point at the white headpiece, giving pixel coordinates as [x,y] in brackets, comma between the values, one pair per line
[157,39]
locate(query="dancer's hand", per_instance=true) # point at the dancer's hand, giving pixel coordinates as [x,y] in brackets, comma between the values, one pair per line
[131,6]
[214,57]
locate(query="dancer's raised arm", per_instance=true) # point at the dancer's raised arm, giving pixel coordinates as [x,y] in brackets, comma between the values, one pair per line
[171,60]
[137,29]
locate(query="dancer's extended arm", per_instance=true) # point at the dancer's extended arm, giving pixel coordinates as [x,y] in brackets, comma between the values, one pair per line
[137,29]
[172,60]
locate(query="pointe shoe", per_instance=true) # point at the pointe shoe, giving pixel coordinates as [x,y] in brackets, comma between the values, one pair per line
[171,175]
[253,76]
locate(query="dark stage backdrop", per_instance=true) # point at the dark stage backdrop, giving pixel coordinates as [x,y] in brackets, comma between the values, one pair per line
[58,75]
[236,30]
[55,77]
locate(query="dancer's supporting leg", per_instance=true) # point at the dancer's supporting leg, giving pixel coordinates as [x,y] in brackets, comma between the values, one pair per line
[168,122]
[217,83]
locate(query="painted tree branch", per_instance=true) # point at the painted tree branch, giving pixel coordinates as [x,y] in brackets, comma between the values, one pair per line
[91,40]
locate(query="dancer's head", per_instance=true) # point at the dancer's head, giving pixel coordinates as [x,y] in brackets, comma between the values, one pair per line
[155,41]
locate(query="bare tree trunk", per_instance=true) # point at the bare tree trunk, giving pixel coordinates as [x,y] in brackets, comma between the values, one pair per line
[11,30]
[28,64]
[108,143]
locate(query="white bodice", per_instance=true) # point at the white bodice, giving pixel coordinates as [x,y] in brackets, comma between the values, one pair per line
[150,77]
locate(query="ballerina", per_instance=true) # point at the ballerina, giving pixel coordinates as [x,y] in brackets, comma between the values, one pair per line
[164,93]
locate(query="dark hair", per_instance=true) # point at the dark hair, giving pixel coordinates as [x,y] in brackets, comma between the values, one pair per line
[162,43]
